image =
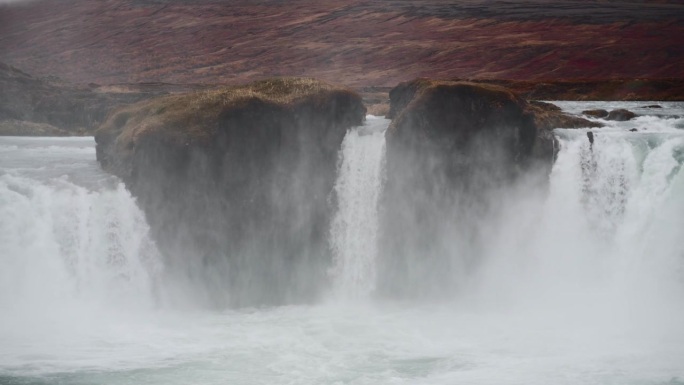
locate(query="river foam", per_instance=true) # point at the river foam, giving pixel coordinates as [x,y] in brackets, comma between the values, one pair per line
[580,283]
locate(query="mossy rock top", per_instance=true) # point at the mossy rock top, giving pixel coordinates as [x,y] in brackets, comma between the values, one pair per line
[193,117]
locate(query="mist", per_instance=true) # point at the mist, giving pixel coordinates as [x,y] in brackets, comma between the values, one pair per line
[567,273]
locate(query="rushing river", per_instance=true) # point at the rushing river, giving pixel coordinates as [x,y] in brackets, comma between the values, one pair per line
[580,283]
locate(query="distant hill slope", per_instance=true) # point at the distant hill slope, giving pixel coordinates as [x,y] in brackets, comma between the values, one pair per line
[32,106]
[353,42]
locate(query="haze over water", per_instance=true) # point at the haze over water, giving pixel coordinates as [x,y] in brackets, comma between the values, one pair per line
[578,283]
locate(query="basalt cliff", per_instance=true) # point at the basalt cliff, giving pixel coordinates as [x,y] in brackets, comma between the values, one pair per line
[453,148]
[235,182]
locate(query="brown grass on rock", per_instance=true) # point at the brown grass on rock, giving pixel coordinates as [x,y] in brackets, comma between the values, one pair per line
[459,121]
[236,174]
[195,118]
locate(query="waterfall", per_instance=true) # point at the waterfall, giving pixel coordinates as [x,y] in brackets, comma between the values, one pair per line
[607,225]
[603,240]
[354,229]
[576,281]
[70,235]
[628,190]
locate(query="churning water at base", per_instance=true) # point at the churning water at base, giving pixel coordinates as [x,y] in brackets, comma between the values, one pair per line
[580,284]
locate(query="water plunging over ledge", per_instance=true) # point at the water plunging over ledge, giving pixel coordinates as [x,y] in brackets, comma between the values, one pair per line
[581,283]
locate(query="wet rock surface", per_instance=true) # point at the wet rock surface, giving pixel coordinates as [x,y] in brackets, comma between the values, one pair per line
[621,115]
[598,113]
[237,179]
[450,146]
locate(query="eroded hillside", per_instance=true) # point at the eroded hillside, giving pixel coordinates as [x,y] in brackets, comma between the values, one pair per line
[354,42]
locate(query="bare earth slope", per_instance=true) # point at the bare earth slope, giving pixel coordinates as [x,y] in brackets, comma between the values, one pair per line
[353,42]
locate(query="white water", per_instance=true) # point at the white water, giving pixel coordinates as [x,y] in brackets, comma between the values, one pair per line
[578,285]
[354,233]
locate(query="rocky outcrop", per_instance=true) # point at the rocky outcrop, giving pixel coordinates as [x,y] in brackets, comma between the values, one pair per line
[548,116]
[447,120]
[451,147]
[597,113]
[457,115]
[621,115]
[73,109]
[235,182]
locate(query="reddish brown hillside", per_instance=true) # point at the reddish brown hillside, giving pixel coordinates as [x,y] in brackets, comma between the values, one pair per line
[354,42]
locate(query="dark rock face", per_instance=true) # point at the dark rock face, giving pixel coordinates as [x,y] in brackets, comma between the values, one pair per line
[235,183]
[621,115]
[453,149]
[76,110]
[449,143]
[598,113]
[403,94]
[461,118]
[448,119]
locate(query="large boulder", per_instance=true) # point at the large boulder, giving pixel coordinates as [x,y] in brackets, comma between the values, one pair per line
[596,113]
[621,115]
[235,183]
[548,116]
[458,119]
[453,150]
[466,120]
